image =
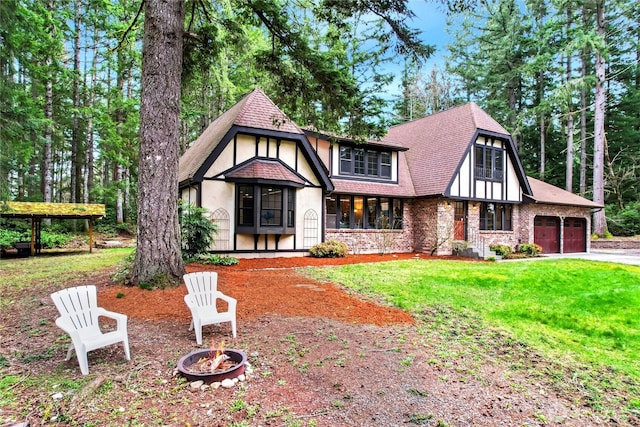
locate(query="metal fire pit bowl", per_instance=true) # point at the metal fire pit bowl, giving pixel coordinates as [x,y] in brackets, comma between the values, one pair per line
[237,356]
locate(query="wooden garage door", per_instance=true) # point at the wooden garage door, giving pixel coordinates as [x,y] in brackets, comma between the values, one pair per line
[546,233]
[575,235]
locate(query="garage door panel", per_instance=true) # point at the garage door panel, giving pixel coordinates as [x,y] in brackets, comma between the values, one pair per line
[575,235]
[547,233]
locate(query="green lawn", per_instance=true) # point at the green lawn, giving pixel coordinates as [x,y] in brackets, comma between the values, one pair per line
[586,311]
[49,270]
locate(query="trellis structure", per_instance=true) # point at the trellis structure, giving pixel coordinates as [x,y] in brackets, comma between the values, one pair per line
[37,211]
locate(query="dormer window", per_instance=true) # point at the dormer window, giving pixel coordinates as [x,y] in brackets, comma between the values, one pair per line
[489,163]
[362,162]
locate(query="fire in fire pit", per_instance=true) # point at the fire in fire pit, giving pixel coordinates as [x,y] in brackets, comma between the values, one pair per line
[212,365]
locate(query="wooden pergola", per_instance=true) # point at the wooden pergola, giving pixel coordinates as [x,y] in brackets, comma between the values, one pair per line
[37,211]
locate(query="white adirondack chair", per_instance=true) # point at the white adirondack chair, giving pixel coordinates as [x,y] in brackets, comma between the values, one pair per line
[201,300]
[79,313]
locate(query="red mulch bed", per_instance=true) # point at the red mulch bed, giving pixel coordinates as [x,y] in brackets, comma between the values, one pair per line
[277,289]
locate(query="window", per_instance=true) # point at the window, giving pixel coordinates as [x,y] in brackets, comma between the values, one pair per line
[266,209]
[332,212]
[345,159]
[489,163]
[345,212]
[495,216]
[291,208]
[372,213]
[385,165]
[271,206]
[358,165]
[363,212]
[361,162]
[245,205]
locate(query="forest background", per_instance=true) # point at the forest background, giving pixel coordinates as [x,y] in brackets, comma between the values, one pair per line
[549,71]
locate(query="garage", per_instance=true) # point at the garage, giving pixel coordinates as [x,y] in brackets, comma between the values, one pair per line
[574,235]
[546,233]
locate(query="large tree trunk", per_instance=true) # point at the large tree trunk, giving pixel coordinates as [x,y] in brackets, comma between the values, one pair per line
[570,123]
[88,175]
[583,113]
[158,248]
[76,165]
[599,220]
[543,146]
[117,167]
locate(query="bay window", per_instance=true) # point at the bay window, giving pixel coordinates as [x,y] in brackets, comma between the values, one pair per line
[265,209]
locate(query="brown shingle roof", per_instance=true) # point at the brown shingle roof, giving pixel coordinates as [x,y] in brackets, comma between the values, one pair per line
[312,132]
[255,110]
[547,193]
[438,142]
[264,169]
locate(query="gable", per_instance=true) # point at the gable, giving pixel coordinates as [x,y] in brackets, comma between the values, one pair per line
[440,155]
[258,123]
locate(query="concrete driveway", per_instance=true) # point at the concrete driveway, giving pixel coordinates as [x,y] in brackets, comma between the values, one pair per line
[622,256]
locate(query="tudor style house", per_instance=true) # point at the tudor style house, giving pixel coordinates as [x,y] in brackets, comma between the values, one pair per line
[436,184]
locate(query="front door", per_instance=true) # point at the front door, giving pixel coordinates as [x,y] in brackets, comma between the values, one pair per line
[459,221]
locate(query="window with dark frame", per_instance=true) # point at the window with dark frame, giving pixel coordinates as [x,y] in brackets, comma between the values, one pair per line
[489,163]
[245,205]
[346,163]
[361,162]
[273,207]
[357,212]
[496,216]
[270,206]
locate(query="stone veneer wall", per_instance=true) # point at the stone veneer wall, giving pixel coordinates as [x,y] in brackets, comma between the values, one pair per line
[369,241]
[424,213]
[528,212]
[428,222]
[433,225]
[616,243]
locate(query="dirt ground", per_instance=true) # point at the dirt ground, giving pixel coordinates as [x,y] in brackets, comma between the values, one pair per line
[320,357]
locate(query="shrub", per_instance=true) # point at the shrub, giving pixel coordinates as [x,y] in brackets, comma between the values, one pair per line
[503,250]
[530,249]
[215,259]
[9,237]
[54,240]
[48,239]
[196,230]
[329,249]
[624,222]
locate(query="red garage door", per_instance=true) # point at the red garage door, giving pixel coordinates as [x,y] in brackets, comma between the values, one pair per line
[575,235]
[546,233]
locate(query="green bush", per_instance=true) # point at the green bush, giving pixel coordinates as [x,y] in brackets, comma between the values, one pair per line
[48,239]
[530,249]
[329,249]
[9,237]
[214,259]
[503,250]
[54,240]
[196,230]
[624,222]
